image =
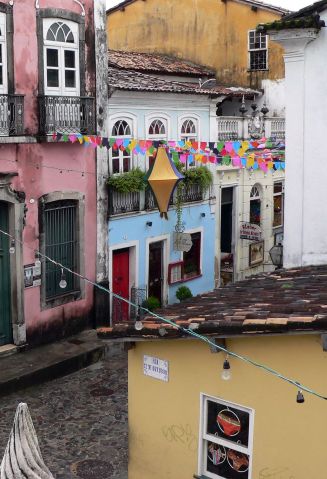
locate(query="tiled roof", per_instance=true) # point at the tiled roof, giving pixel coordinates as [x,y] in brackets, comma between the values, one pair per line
[135,81]
[155,63]
[284,301]
[256,3]
[307,17]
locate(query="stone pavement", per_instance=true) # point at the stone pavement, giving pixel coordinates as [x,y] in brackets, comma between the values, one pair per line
[80,420]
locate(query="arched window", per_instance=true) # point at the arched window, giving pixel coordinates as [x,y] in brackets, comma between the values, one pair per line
[121,128]
[157,129]
[189,130]
[121,161]
[61,46]
[255,205]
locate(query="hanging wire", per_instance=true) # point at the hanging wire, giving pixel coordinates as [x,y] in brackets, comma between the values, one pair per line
[187,331]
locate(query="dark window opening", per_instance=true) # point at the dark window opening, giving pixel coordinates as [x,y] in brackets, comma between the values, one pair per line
[192,258]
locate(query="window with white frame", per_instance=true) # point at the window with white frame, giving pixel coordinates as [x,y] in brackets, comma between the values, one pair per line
[258,50]
[61,57]
[226,439]
[3,55]
[158,130]
[278,204]
[255,205]
[121,161]
[189,132]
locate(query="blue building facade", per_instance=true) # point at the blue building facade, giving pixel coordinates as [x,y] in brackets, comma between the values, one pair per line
[144,259]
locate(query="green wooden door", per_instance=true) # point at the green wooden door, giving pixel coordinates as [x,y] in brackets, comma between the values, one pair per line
[5,290]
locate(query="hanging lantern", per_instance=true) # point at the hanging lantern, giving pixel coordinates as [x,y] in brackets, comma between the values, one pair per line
[163,178]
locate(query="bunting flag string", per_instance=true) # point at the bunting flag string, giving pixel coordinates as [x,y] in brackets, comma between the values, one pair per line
[264,154]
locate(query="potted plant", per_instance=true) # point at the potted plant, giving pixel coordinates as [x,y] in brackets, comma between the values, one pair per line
[151,303]
[183,293]
[130,182]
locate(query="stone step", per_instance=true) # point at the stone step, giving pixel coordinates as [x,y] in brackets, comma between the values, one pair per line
[30,367]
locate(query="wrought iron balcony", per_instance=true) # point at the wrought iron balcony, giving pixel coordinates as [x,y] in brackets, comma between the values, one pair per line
[150,202]
[120,203]
[66,114]
[11,115]
[192,193]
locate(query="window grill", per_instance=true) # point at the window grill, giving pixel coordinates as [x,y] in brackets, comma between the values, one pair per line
[62,245]
[157,127]
[258,52]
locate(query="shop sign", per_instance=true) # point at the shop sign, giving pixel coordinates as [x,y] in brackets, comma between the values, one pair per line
[250,231]
[155,368]
[182,242]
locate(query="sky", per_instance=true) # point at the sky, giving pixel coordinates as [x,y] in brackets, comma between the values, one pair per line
[288,4]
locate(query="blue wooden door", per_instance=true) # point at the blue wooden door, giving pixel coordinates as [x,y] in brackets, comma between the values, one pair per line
[5,290]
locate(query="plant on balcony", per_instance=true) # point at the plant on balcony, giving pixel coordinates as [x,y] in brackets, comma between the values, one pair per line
[130,182]
[200,175]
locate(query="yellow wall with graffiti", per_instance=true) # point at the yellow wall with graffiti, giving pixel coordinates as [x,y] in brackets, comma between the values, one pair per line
[164,417]
[209,32]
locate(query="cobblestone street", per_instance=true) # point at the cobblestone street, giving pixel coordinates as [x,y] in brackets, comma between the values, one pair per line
[80,420]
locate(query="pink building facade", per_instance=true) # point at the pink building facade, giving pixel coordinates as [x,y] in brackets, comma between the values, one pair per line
[47,189]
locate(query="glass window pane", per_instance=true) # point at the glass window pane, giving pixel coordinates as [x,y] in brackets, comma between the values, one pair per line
[115,165]
[0,52]
[1,75]
[70,79]
[126,162]
[226,462]
[60,35]
[278,211]
[192,258]
[278,187]
[52,57]
[69,59]
[255,212]
[53,78]
[70,38]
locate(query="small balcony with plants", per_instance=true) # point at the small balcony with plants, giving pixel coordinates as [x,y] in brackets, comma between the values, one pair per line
[129,193]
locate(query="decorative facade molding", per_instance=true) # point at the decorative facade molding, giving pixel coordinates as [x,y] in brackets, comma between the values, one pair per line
[82,7]
[294,41]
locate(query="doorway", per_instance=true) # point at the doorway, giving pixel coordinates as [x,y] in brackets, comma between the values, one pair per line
[226,236]
[5,288]
[120,285]
[155,278]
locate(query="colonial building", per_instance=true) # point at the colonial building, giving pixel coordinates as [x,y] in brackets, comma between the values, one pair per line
[47,189]
[206,32]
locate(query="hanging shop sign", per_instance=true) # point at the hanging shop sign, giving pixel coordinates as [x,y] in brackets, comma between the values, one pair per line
[156,368]
[250,231]
[182,242]
[32,275]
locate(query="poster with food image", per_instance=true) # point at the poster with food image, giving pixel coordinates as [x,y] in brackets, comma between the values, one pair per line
[226,462]
[228,423]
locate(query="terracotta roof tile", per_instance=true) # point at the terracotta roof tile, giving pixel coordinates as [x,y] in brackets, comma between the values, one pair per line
[156,63]
[134,81]
[235,309]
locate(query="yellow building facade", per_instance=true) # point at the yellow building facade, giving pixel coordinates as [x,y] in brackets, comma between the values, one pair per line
[214,33]
[164,416]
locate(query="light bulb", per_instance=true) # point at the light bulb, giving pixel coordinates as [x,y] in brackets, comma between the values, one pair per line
[63,282]
[12,248]
[226,373]
[138,325]
[300,397]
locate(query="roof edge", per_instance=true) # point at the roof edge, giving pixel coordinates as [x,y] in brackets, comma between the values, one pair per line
[265,6]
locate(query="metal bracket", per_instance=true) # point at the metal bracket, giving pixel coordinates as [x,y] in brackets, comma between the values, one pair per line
[82,7]
[220,342]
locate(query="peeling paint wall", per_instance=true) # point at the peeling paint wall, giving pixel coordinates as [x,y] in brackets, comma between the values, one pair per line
[208,32]
[37,168]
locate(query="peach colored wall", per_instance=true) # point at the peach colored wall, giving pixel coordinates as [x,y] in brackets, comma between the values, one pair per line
[22,158]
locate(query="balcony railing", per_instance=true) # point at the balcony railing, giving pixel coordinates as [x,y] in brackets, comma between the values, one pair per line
[192,193]
[231,128]
[120,203]
[11,115]
[66,114]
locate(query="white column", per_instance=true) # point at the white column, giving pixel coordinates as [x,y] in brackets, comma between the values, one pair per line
[294,42]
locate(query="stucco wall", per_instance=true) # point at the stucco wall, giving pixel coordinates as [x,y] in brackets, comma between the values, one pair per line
[164,417]
[208,32]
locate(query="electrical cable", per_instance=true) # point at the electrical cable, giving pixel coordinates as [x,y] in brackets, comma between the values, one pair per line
[187,331]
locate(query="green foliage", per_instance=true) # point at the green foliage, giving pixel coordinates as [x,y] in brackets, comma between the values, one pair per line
[200,175]
[129,182]
[151,303]
[183,293]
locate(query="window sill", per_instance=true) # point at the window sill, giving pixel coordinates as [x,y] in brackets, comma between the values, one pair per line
[184,280]
[60,300]
[250,70]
